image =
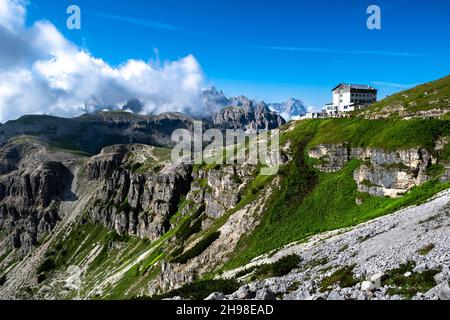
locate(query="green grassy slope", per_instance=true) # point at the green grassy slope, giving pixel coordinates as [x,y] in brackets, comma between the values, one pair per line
[429,96]
[385,134]
[310,202]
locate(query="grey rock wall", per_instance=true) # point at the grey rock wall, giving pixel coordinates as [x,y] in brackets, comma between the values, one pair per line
[383,173]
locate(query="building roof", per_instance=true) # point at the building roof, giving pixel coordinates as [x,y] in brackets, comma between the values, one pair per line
[355,86]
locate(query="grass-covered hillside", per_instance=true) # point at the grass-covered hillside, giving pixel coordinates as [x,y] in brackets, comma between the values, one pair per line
[310,201]
[431,99]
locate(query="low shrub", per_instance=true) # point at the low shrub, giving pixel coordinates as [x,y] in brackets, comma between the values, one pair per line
[124,206]
[426,250]
[47,265]
[409,286]
[196,250]
[435,170]
[190,226]
[2,280]
[41,278]
[278,268]
[199,290]
[343,277]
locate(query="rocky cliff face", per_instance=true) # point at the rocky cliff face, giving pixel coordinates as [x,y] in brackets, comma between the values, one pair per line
[9,158]
[141,203]
[101,166]
[250,116]
[219,189]
[32,185]
[382,173]
[133,202]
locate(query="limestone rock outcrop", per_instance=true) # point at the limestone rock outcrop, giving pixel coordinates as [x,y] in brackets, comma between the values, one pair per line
[382,173]
[219,189]
[249,117]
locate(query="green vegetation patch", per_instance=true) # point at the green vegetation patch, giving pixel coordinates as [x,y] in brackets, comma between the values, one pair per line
[409,286]
[197,249]
[385,134]
[431,95]
[191,225]
[2,280]
[276,269]
[343,277]
[426,250]
[46,266]
[435,170]
[199,290]
[444,154]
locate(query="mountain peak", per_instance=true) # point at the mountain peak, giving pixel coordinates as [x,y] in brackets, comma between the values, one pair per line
[292,108]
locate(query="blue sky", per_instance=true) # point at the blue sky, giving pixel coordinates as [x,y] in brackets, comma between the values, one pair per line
[269,50]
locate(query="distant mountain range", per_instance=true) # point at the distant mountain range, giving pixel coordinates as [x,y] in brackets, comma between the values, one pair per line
[213,101]
[91,132]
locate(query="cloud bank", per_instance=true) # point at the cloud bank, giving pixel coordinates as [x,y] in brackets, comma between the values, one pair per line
[41,72]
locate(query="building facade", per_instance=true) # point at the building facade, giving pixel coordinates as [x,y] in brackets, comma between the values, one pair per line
[350,97]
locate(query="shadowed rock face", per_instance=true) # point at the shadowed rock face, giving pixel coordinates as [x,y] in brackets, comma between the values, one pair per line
[104,164]
[9,159]
[136,203]
[31,189]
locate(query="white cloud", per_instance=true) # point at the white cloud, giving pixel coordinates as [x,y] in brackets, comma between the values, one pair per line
[42,72]
[12,14]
